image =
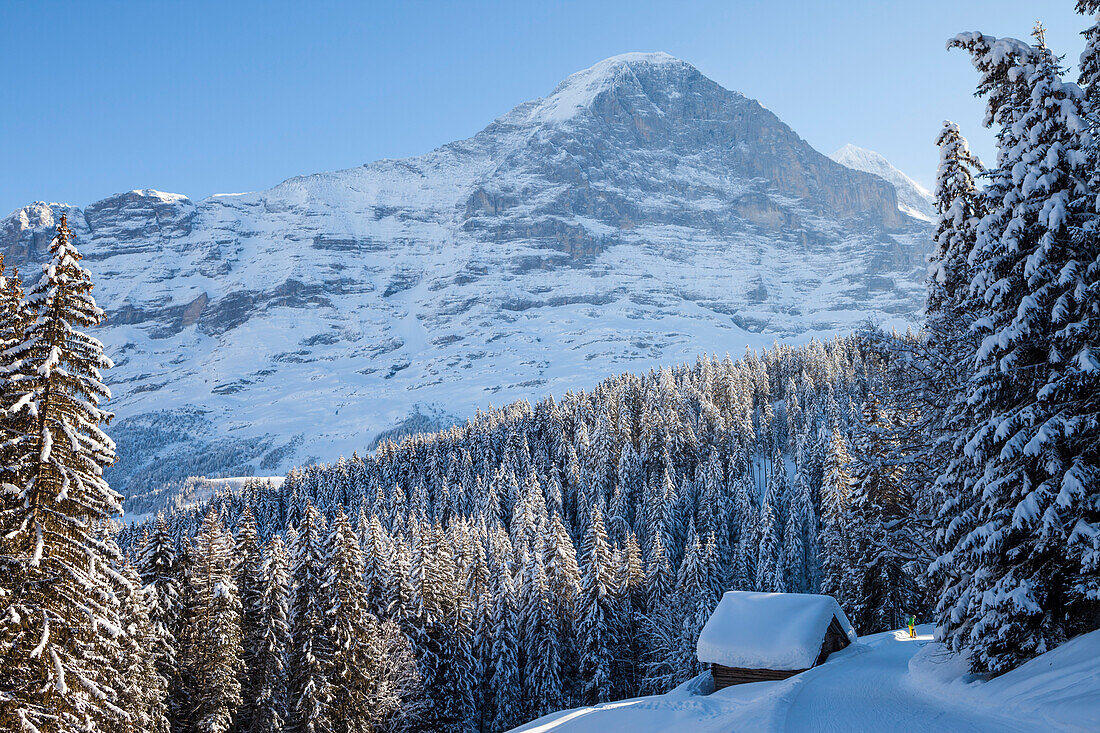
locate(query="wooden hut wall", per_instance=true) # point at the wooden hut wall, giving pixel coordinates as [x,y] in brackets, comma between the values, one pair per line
[835,640]
[726,676]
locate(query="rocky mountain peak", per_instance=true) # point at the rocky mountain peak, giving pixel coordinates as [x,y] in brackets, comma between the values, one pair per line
[607,128]
[633,81]
[637,215]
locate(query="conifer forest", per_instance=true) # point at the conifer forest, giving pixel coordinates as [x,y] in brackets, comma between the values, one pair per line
[566,551]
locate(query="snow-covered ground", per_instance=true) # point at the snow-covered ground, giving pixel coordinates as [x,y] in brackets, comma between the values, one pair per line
[885,682]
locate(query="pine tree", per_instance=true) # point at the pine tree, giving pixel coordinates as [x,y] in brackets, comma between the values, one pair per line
[143,692]
[504,672]
[1028,561]
[694,600]
[442,653]
[269,657]
[213,652]
[160,571]
[16,315]
[951,309]
[1089,62]
[959,209]
[60,612]
[542,684]
[631,603]
[769,564]
[400,700]
[563,585]
[354,670]
[377,567]
[658,622]
[883,591]
[836,551]
[249,577]
[796,573]
[308,684]
[597,612]
[744,518]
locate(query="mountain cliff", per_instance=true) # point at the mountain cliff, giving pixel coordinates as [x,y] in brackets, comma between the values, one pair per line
[637,215]
[913,198]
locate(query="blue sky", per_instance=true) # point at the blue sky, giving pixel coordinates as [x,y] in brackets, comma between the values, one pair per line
[206,97]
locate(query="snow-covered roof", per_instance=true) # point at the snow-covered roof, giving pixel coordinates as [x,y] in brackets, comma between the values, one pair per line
[781,631]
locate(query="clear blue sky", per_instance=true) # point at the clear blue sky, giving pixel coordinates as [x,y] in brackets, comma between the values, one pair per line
[206,97]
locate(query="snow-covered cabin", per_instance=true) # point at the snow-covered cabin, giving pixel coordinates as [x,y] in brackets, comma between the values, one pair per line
[752,637]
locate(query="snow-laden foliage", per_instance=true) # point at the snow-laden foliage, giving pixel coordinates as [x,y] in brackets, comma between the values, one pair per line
[1020,538]
[543,556]
[61,620]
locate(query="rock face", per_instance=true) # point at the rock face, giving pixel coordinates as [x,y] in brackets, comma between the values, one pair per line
[636,216]
[913,198]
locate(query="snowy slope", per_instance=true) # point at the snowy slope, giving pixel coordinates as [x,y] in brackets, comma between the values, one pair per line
[913,198]
[870,687]
[637,215]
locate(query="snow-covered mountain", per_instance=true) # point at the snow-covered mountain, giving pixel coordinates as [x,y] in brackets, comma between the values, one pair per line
[637,215]
[913,198]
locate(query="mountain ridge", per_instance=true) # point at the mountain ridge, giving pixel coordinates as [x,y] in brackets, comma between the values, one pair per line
[662,217]
[913,198]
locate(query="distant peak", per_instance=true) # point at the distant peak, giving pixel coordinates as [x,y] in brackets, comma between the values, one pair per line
[636,57]
[159,195]
[854,150]
[579,90]
[913,198]
[40,214]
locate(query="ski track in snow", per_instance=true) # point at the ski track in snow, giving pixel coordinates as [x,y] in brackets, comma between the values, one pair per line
[864,688]
[867,688]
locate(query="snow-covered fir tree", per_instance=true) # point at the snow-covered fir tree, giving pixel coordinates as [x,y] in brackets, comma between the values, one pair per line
[143,689]
[503,670]
[212,655]
[59,620]
[1088,63]
[836,515]
[693,601]
[160,571]
[248,575]
[354,672]
[1032,523]
[269,657]
[769,563]
[799,538]
[309,696]
[597,628]
[883,590]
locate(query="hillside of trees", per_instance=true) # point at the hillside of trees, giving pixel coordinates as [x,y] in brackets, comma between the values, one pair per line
[541,557]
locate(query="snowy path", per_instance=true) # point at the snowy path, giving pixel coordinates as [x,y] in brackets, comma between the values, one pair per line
[866,687]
